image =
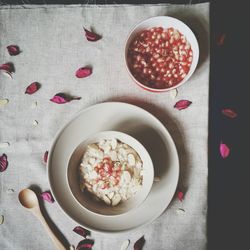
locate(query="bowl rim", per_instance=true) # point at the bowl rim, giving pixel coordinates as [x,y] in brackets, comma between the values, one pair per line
[142,148]
[168,18]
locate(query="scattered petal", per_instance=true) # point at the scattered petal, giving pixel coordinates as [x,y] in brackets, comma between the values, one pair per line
[34,105]
[85,244]
[224,150]
[3,102]
[157,179]
[13,50]
[229,113]
[139,243]
[9,67]
[47,196]
[125,245]
[81,231]
[62,98]
[1,219]
[180,211]
[10,191]
[35,123]
[182,104]
[72,247]
[45,156]
[180,195]
[83,72]
[4,144]
[91,36]
[173,93]
[3,162]
[32,88]
[221,39]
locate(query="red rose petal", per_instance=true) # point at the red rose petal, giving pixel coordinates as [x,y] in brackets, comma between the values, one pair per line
[85,244]
[45,156]
[182,104]
[180,195]
[81,231]
[91,36]
[61,98]
[139,243]
[83,72]
[47,196]
[229,113]
[13,50]
[224,150]
[3,162]
[32,88]
[7,67]
[221,39]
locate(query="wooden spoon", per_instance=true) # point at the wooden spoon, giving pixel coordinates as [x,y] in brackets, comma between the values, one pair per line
[29,200]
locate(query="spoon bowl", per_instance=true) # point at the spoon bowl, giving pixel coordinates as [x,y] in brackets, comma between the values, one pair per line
[28,198]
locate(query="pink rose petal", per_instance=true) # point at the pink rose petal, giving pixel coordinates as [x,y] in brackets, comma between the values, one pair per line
[180,195]
[229,113]
[224,150]
[47,196]
[61,98]
[13,50]
[83,72]
[91,36]
[7,69]
[81,231]
[182,104]
[221,39]
[3,162]
[85,244]
[45,156]
[139,243]
[32,88]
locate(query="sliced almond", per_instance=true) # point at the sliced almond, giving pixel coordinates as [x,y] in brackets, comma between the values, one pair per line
[131,159]
[106,200]
[1,219]
[4,144]
[173,93]
[113,144]
[116,199]
[125,245]
[180,211]
[35,123]
[3,102]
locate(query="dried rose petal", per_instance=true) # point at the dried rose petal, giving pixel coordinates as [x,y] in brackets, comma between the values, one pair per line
[81,231]
[3,162]
[47,196]
[61,98]
[180,195]
[91,36]
[83,72]
[85,244]
[221,39]
[7,67]
[139,243]
[13,50]
[224,150]
[182,104]
[32,88]
[45,156]
[229,113]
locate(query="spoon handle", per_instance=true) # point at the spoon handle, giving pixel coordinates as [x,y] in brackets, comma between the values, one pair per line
[58,244]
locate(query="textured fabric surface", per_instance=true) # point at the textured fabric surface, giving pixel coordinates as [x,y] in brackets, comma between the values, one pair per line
[53,46]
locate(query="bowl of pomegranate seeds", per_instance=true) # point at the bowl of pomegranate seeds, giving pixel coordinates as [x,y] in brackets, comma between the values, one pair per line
[161,53]
[110,173]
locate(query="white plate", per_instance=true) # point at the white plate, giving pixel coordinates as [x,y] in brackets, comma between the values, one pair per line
[145,128]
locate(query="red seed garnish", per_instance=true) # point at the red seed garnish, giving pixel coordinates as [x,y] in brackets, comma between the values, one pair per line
[32,88]
[85,244]
[180,195]
[45,156]
[91,36]
[81,231]
[47,196]
[139,243]
[229,113]
[3,162]
[182,104]
[221,39]
[13,50]
[61,98]
[83,72]
[224,150]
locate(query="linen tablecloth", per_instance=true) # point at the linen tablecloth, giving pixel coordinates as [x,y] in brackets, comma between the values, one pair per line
[53,47]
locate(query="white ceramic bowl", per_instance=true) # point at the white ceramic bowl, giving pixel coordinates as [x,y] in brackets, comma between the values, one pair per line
[85,199]
[164,22]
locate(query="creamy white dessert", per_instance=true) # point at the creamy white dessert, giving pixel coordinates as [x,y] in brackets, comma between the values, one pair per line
[111,170]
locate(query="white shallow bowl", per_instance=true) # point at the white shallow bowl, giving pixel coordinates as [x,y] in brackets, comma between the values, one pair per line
[86,199]
[164,22]
[129,119]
